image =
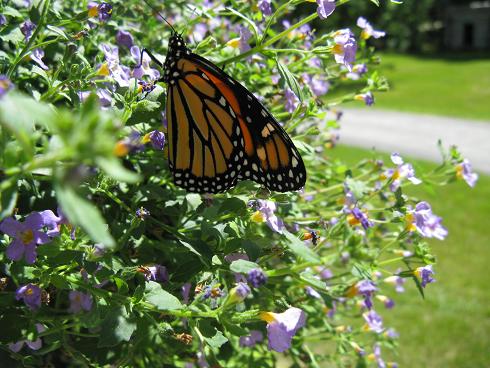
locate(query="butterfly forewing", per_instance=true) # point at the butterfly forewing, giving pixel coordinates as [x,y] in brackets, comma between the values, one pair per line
[220,133]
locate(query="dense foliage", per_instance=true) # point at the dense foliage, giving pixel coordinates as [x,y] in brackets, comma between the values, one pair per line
[104,261]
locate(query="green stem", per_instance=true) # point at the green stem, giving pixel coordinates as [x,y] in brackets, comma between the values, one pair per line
[271,41]
[27,47]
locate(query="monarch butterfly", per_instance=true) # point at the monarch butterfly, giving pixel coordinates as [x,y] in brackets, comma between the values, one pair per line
[218,132]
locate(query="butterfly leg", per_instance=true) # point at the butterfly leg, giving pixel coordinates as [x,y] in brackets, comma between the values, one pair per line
[152,57]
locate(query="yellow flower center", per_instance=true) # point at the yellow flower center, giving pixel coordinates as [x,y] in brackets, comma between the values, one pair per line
[340,328]
[27,236]
[29,292]
[353,220]
[104,70]
[418,272]
[121,149]
[257,217]
[459,171]
[338,49]
[267,317]
[365,35]
[352,291]
[146,138]
[396,175]
[4,84]
[371,357]
[235,42]
[93,11]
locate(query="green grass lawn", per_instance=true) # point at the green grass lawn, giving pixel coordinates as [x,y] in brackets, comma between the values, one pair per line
[442,86]
[451,327]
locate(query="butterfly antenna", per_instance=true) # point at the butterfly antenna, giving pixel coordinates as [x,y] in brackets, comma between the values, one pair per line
[160,15]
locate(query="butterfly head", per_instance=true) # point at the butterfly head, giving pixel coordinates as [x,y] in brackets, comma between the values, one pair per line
[176,42]
[176,50]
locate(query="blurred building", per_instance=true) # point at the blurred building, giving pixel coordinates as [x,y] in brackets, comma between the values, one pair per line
[467,25]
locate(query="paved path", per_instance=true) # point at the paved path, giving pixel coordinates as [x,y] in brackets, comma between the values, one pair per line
[416,135]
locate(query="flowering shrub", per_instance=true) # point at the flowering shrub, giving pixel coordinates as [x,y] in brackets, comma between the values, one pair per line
[104,261]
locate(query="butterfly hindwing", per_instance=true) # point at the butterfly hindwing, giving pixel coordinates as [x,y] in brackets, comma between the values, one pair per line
[220,133]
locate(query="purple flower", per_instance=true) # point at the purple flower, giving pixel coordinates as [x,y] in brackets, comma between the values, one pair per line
[312,292]
[157,139]
[79,301]
[426,223]
[132,143]
[3,20]
[267,211]
[245,36]
[391,333]
[291,100]
[26,28]
[366,288]
[199,32]
[367,97]
[388,302]
[403,170]
[112,67]
[315,62]
[157,273]
[124,38]
[30,294]
[281,327]
[368,30]
[186,289]
[325,8]
[26,235]
[256,277]
[37,56]
[143,65]
[265,7]
[318,86]
[357,71]
[374,322]
[5,85]
[464,171]
[376,356]
[103,10]
[235,257]
[356,217]
[252,339]
[239,293]
[424,274]
[397,281]
[34,345]
[325,273]
[345,47]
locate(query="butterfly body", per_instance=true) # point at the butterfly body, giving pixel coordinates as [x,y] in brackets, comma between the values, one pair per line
[219,133]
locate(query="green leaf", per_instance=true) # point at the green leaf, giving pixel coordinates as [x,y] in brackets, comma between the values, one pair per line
[242,266]
[11,12]
[310,279]
[217,340]
[300,249]
[19,114]
[84,214]
[116,327]
[290,80]
[359,188]
[58,31]
[114,169]
[160,298]
[8,199]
